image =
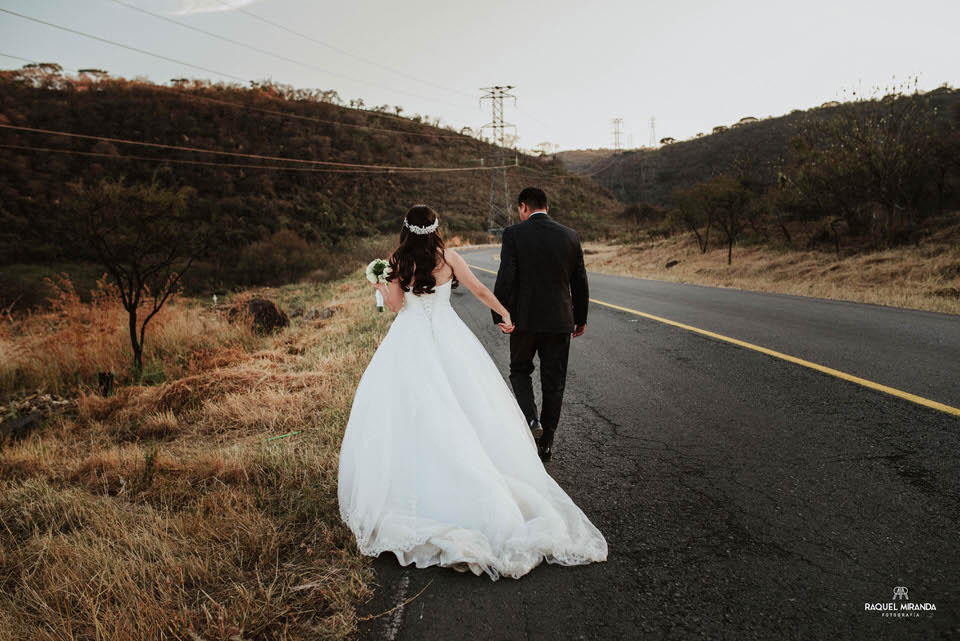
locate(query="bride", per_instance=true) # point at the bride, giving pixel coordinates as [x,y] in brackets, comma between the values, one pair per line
[438,464]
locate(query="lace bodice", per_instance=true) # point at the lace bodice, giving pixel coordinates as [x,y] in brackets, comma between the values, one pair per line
[426,303]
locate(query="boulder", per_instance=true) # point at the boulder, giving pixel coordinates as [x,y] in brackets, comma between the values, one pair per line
[263,315]
[17,428]
[671,263]
[321,314]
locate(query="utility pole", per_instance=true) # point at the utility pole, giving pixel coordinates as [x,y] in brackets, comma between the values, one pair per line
[617,132]
[499,214]
[653,131]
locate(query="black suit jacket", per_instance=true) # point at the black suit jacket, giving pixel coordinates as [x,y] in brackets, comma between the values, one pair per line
[542,280]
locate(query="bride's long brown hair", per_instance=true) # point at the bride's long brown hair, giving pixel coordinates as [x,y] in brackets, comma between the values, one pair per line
[418,255]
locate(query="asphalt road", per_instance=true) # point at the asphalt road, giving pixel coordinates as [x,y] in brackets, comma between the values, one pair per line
[742,496]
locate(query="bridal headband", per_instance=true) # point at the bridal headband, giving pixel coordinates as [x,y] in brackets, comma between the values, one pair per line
[429,229]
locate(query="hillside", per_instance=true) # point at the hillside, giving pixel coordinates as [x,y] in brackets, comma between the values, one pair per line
[650,175]
[584,161]
[261,206]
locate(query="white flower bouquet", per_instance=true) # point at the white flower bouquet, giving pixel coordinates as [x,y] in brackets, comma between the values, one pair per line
[377,272]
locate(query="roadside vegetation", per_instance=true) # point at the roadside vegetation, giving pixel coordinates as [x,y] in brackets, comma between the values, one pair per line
[159,508]
[860,202]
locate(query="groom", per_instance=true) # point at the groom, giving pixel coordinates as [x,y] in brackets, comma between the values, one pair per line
[543,284]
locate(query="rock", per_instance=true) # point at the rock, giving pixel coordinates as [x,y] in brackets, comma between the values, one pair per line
[263,315]
[19,427]
[328,312]
[671,263]
[318,314]
[297,312]
[105,381]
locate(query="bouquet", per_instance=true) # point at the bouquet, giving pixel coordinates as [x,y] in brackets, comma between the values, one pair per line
[377,272]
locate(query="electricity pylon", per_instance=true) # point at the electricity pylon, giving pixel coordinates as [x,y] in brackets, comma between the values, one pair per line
[617,132]
[499,214]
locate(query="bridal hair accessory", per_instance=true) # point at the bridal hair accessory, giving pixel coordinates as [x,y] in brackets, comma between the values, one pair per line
[429,229]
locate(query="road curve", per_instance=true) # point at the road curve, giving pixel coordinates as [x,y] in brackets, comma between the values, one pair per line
[743,496]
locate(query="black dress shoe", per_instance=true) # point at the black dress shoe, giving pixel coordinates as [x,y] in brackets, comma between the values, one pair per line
[535,429]
[546,453]
[545,446]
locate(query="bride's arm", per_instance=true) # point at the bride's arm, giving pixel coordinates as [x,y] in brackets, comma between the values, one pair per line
[392,295]
[481,291]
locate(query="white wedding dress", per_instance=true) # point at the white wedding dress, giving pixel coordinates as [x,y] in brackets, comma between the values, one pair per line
[438,464]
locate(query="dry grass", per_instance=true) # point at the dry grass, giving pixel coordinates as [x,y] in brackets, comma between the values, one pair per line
[161,512]
[925,277]
[71,342]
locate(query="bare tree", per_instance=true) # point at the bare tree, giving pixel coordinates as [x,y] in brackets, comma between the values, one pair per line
[145,237]
[727,197]
[693,213]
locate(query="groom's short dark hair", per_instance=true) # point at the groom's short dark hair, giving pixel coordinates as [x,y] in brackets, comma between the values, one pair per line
[533,197]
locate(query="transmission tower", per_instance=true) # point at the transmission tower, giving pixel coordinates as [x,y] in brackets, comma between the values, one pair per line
[499,214]
[648,161]
[617,132]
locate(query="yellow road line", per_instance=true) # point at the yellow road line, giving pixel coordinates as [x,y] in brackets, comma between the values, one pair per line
[919,400]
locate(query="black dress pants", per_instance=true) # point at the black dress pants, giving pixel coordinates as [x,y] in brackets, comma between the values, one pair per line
[553,350]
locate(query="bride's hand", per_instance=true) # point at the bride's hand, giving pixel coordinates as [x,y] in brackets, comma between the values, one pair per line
[507,325]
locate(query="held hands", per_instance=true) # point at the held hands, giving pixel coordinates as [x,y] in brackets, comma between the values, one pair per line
[507,325]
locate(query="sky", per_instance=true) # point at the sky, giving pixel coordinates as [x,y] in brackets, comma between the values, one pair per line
[691,64]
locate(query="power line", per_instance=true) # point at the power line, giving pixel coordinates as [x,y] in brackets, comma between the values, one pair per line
[229,153]
[7,55]
[239,165]
[128,47]
[272,54]
[571,174]
[320,120]
[180,92]
[338,49]
[236,105]
[594,173]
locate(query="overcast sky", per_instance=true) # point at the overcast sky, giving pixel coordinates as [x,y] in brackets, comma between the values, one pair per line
[692,64]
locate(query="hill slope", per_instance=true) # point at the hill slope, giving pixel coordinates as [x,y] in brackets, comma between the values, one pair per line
[649,175]
[325,208]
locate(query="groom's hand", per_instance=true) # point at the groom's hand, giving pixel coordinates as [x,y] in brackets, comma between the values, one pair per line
[579,330]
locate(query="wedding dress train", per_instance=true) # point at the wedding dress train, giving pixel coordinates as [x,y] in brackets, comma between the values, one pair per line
[438,464]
